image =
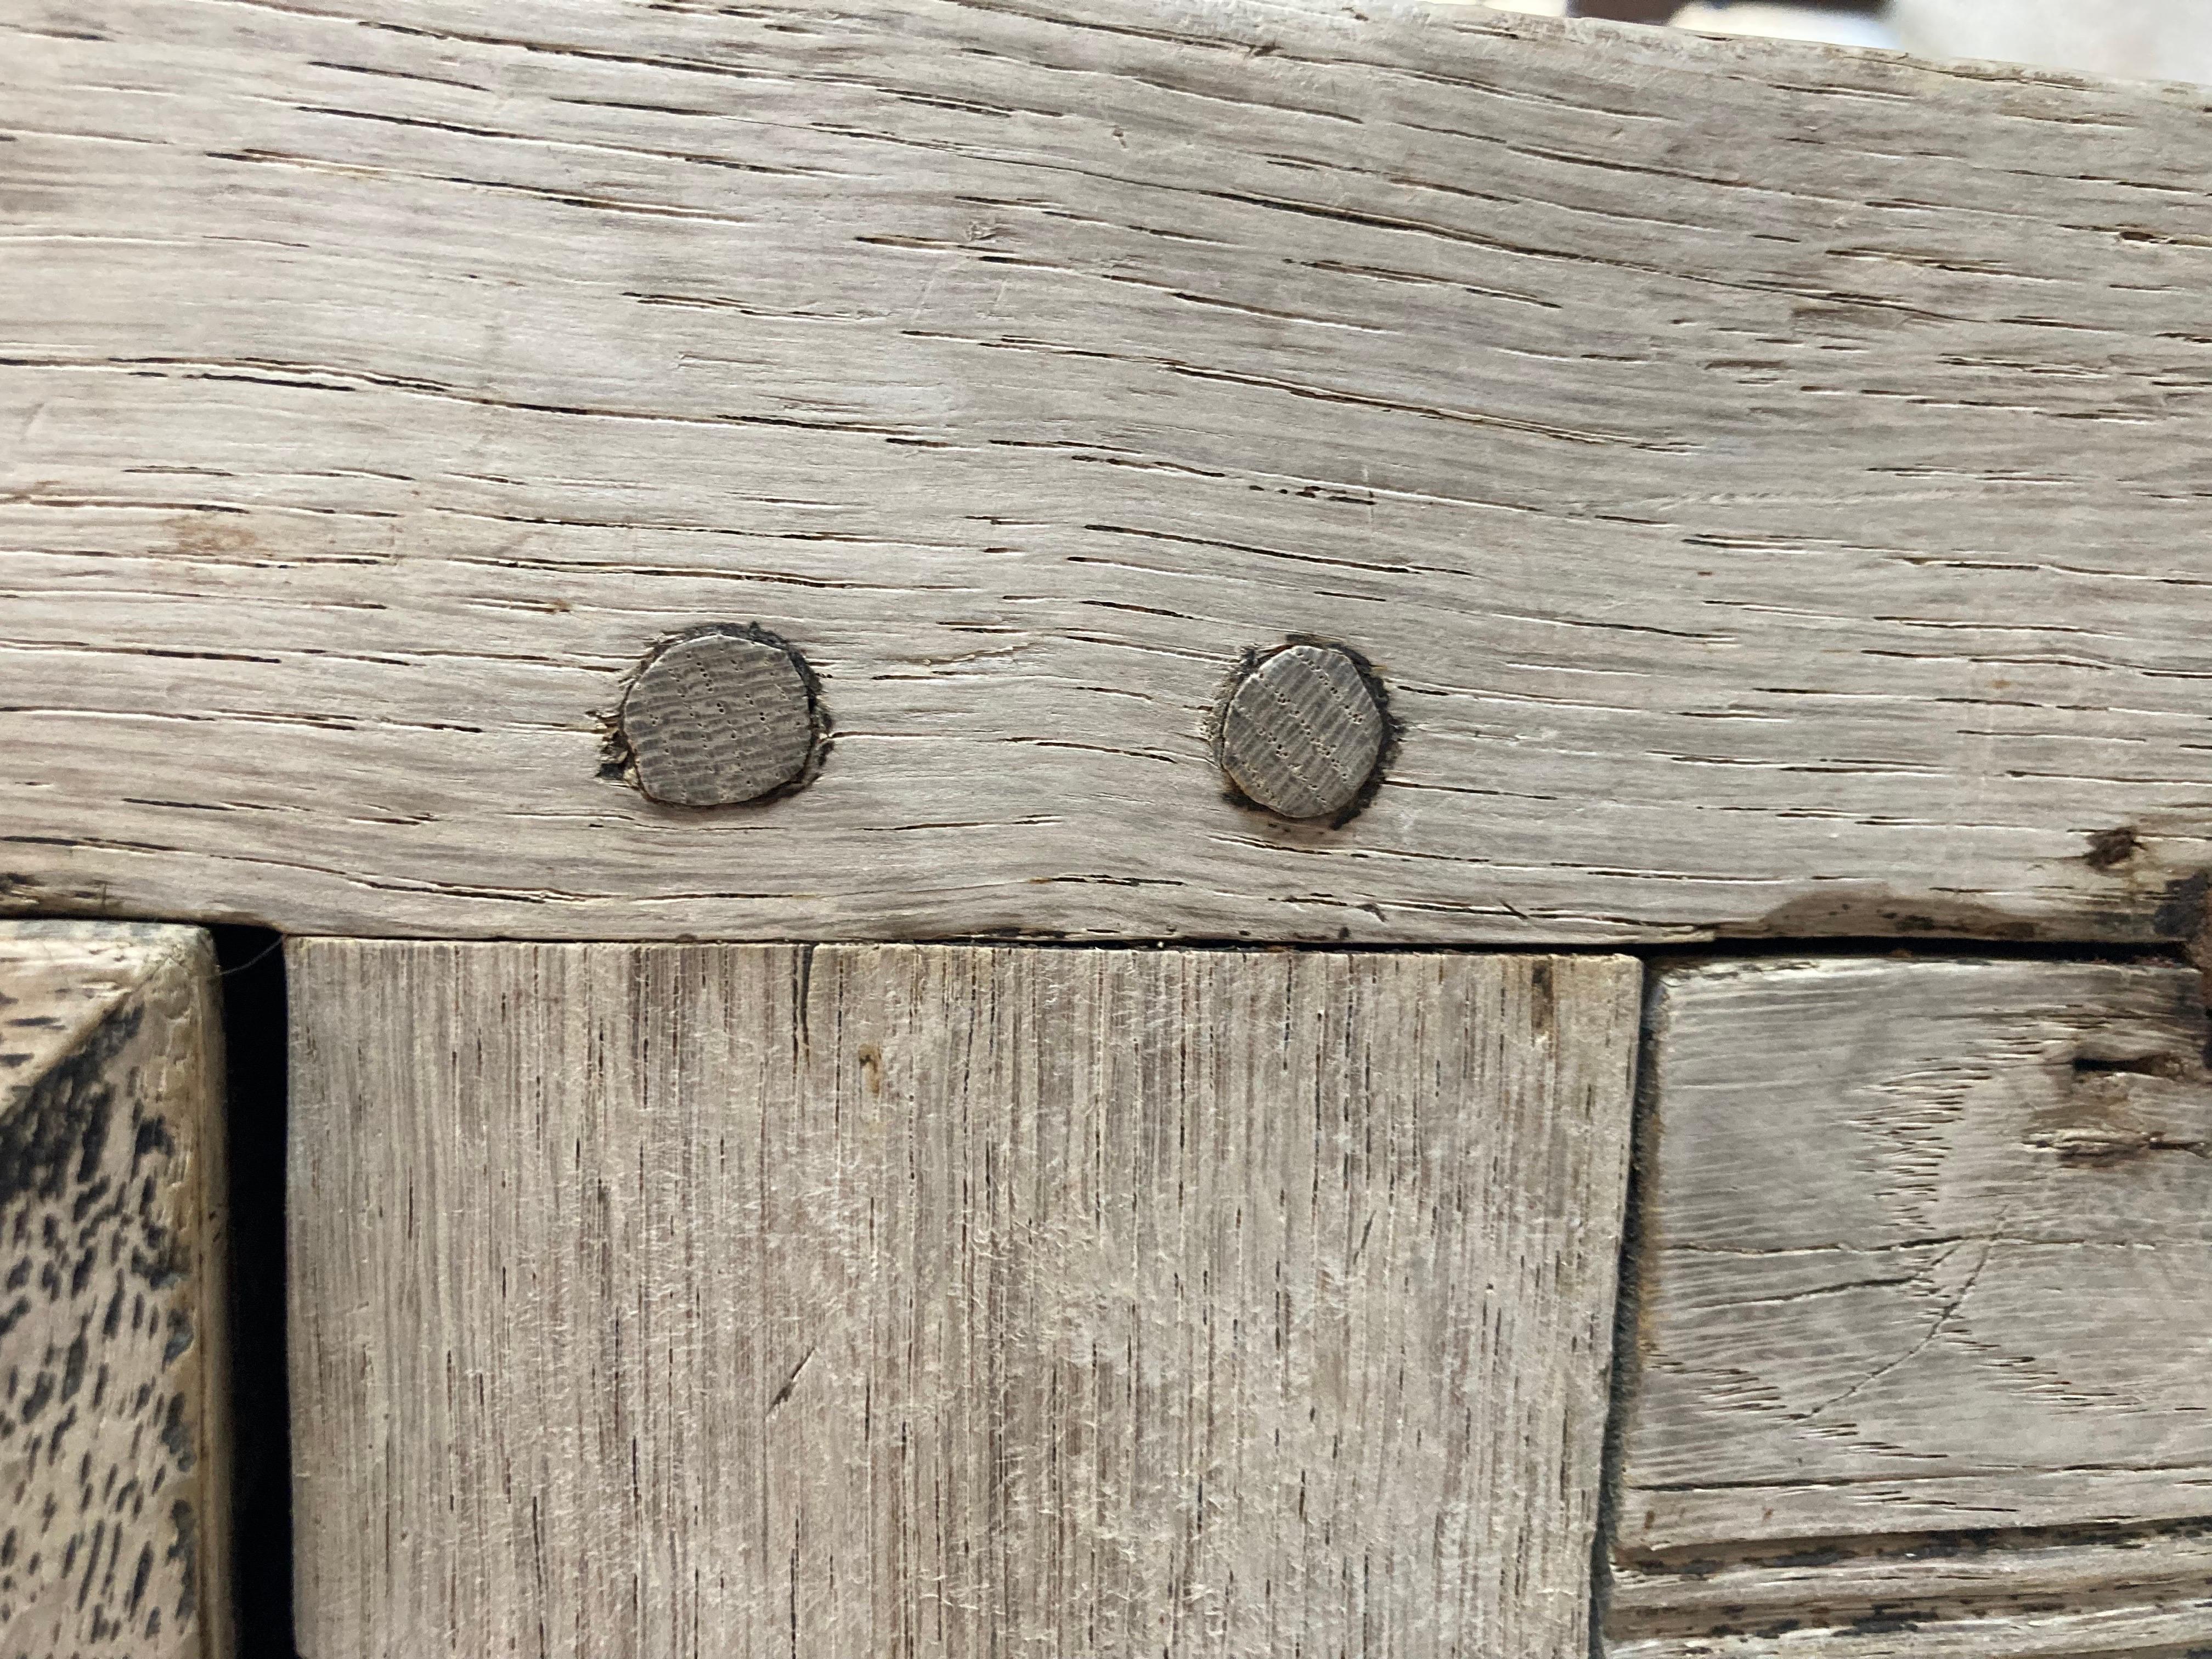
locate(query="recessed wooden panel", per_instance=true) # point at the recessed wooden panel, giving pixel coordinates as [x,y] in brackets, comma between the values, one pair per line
[1768,479]
[904,1301]
[1925,1312]
[114,1445]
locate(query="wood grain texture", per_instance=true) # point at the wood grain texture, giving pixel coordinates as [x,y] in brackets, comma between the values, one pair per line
[1931,1249]
[2122,1633]
[1302,731]
[1924,1318]
[902,1301]
[1769,478]
[2142,1596]
[719,717]
[115,1509]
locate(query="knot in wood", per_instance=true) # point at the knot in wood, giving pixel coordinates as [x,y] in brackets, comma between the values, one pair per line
[1302,731]
[720,716]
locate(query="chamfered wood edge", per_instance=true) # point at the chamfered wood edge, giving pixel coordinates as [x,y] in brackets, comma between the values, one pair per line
[92,986]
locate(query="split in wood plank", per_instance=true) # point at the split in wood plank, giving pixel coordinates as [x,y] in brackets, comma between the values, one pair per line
[2130,1593]
[114,1447]
[1767,477]
[1925,1318]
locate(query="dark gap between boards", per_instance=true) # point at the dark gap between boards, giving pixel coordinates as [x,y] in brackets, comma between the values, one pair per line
[251,960]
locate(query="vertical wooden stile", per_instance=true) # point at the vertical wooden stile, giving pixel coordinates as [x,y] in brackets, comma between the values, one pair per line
[949,1301]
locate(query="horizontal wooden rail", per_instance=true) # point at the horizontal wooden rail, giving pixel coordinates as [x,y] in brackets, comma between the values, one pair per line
[1766,481]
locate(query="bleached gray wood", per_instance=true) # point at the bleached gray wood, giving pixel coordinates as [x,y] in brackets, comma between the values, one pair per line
[2162,1565]
[2147,1597]
[114,1503]
[1768,477]
[1925,1316]
[719,716]
[947,1301]
[2176,1632]
[1303,730]
[1931,1249]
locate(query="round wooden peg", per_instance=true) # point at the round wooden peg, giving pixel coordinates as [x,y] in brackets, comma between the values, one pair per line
[1303,730]
[720,716]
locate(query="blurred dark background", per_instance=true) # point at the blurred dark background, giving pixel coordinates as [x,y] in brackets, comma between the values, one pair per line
[2138,40]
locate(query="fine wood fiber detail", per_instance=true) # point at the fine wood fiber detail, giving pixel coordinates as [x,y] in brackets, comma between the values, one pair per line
[1764,475]
[1303,730]
[951,1302]
[114,1510]
[2145,1594]
[719,717]
[1924,1314]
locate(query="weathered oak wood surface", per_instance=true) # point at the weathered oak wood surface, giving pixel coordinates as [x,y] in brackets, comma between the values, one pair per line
[2146,1595]
[910,1300]
[1927,1250]
[114,1510]
[1769,479]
